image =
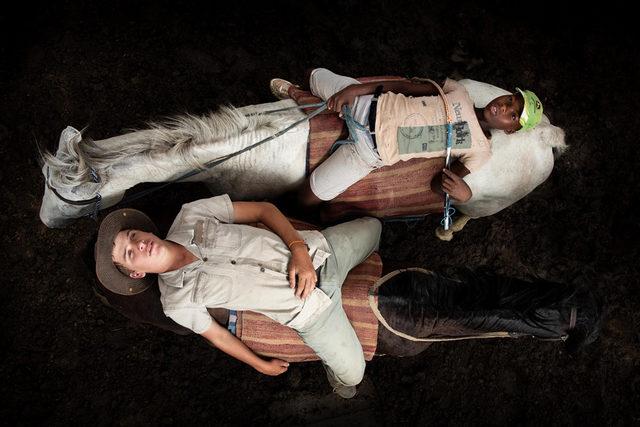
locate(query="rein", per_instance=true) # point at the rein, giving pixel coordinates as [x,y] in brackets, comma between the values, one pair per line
[96,200]
[321,106]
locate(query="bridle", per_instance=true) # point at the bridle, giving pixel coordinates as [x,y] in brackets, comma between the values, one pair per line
[96,200]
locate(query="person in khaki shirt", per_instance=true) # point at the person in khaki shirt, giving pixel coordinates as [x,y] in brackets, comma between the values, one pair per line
[404,119]
[211,258]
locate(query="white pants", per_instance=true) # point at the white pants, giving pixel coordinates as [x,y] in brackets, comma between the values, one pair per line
[331,336]
[350,162]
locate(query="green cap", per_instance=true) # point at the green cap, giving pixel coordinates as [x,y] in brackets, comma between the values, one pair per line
[532,111]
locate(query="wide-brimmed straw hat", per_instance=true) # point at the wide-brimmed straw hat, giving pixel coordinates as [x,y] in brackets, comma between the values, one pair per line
[108,273]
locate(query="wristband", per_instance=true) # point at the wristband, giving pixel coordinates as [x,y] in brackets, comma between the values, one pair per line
[296,241]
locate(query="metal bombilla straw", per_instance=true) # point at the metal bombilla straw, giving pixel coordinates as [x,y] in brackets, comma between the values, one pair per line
[448,210]
[448,213]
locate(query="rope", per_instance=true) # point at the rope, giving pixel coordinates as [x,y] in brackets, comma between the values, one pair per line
[316,105]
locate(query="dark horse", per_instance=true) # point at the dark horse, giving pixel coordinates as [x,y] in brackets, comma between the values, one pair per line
[423,304]
[467,304]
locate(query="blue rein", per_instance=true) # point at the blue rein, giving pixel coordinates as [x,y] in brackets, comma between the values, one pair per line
[449,210]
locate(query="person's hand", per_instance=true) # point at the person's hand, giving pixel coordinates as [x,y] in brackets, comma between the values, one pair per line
[273,367]
[455,186]
[301,265]
[346,96]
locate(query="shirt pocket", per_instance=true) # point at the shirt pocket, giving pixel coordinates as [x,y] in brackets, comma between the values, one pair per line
[262,271]
[223,237]
[319,257]
[212,289]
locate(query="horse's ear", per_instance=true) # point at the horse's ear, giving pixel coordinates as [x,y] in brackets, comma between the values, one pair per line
[553,136]
[67,136]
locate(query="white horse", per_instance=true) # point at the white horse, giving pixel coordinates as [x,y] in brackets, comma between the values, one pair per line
[519,163]
[83,171]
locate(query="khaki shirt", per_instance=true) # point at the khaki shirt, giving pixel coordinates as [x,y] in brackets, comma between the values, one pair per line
[408,127]
[239,267]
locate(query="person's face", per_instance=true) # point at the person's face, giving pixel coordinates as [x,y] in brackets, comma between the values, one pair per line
[140,252]
[504,112]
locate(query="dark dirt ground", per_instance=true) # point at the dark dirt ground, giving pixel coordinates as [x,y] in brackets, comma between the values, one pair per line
[68,359]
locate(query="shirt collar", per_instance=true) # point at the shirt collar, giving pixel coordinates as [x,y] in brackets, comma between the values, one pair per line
[175,278]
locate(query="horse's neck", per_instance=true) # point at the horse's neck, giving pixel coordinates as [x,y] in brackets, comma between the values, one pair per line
[166,165]
[156,167]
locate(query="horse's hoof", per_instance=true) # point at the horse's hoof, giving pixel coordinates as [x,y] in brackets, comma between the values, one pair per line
[460,223]
[443,234]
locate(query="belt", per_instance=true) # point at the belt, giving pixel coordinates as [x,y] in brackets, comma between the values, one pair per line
[372,120]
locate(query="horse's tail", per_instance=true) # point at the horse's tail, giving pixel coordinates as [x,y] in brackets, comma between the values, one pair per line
[554,137]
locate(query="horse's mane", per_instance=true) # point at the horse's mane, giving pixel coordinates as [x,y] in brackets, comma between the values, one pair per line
[175,136]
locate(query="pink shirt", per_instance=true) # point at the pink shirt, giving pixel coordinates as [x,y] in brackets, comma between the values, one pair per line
[409,127]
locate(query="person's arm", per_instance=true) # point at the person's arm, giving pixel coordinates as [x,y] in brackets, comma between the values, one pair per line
[451,181]
[347,95]
[300,263]
[225,341]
